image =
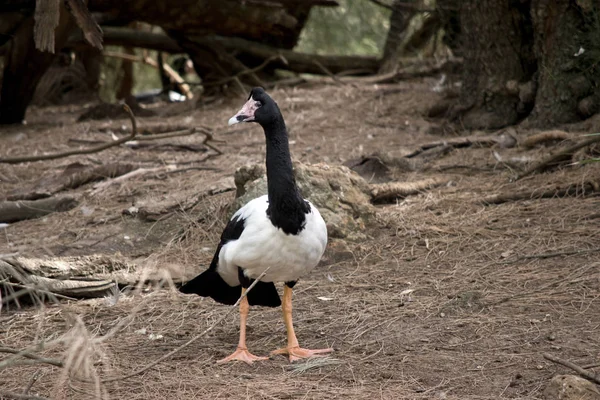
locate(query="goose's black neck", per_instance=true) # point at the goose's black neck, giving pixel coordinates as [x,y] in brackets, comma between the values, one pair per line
[287,209]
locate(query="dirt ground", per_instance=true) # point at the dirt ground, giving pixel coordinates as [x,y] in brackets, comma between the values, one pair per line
[489,293]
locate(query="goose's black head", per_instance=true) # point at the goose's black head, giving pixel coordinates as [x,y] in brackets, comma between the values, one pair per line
[260,108]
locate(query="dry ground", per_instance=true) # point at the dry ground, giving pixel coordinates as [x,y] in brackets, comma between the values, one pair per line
[483,308]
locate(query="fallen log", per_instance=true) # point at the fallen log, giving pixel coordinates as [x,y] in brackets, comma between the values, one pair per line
[13,211]
[394,190]
[77,277]
[291,61]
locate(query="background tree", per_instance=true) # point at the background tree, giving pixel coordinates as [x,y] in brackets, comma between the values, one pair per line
[522,61]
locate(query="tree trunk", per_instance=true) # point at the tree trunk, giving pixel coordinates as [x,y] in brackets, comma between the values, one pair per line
[566,81]
[25,66]
[496,48]
[393,42]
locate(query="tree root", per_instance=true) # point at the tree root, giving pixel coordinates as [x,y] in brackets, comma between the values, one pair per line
[586,374]
[571,190]
[558,157]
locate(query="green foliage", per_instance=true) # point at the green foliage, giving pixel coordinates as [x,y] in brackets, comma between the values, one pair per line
[356,27]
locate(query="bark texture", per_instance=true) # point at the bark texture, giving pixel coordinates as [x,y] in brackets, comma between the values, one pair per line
[567,78]
[25,66]
[496,50]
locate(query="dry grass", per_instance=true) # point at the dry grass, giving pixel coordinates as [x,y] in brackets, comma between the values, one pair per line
[448,298]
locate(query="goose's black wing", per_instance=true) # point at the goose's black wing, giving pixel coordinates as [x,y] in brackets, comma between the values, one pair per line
[211,284]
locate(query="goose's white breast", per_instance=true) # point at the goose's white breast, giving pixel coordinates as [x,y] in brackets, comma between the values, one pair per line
[262,245]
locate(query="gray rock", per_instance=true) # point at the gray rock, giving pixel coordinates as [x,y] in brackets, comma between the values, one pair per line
[571,387]
[341,195]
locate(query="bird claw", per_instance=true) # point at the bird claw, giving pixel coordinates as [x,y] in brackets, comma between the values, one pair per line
[242,354]
[298,353]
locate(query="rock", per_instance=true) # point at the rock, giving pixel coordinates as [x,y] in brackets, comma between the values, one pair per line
[341,195]
[571,387]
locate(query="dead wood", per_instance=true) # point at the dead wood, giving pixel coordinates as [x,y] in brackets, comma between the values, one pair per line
[91,30]
[545,137]
[391,191]
[29,355]
[66,277]
[95,149]
[46,16]
[559,156]
[586,374]
[74,176]
[282,58]
[12,211]
[172,74]
[571,190]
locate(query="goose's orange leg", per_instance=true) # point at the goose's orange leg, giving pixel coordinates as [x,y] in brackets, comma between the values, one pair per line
[242,353]
[293,349]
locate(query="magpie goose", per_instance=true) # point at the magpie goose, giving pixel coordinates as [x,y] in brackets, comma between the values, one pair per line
[280,231]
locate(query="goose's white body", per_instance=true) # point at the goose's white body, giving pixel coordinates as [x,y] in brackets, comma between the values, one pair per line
[262,245]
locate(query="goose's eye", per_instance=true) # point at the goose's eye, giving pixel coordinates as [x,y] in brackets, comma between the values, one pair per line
[258,104]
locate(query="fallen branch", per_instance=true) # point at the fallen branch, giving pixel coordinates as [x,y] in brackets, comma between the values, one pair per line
[12,211]
[571,190]
[561,155]
[99,187]
[74,176]
[31,356]
[391,191]
[586,374]
[95,149]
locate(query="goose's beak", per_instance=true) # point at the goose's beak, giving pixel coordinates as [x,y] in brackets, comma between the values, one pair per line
[246,114]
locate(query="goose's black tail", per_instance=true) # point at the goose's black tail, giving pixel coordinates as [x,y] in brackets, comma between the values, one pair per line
[210,284]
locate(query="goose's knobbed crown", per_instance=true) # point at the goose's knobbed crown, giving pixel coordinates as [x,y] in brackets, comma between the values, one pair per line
[260,108]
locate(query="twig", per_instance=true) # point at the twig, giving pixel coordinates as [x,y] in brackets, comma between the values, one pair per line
[26,354]
[558,156]
[32,381]
[550,255]
[5,394]
[95,149]
[247,71]
[331,75]
[586,374]
[192,340]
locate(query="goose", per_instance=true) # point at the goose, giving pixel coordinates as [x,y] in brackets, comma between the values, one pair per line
[280,231]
